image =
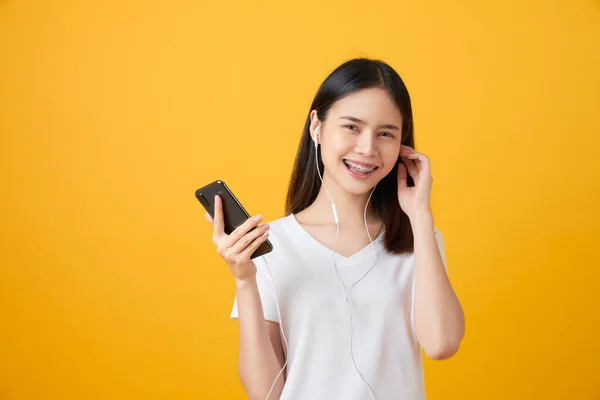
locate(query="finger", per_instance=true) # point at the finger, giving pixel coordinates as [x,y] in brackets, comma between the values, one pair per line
[412,169]
[254,245]
[406,149]
[209,219]
[411,153]
[414,155]
[402,175]
[247,239]
[241,230]
[218,224]
[423,165]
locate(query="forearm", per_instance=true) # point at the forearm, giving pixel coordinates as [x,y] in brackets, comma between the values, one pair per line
[257,362]
[439,316]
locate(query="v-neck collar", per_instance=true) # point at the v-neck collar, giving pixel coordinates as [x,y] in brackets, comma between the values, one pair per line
[365,252]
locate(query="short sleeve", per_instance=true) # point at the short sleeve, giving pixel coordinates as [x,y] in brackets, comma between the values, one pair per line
[440,243]
[266,291]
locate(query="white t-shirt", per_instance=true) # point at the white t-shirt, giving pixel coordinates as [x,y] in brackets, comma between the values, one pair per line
[316,322]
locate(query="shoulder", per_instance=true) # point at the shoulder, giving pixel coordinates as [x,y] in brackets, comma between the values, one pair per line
[440,242]
[438,235]
[282,236]
[288,238]
[281,233]
[279,227]
[280,222]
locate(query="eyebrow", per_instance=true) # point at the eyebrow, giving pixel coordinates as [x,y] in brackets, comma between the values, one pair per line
[386,126]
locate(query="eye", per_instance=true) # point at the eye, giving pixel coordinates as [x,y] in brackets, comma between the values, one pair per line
[350,126]
[387,134]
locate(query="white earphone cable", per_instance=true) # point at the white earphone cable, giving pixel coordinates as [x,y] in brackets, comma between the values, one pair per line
[346,290]
[280,328]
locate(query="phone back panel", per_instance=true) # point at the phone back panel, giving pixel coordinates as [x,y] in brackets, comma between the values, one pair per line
[234,213]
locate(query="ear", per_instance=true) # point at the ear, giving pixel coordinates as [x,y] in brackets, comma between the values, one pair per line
[314,123]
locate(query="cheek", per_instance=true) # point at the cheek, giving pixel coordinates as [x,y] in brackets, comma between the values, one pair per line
[331,157]
[334,148]
[390,158]
[327,153]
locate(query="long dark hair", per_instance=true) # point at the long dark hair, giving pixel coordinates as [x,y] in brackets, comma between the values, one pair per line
[351,76]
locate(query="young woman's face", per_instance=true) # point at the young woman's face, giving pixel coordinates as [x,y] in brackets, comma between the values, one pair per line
[360,139]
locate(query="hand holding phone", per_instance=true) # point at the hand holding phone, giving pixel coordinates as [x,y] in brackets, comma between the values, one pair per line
[238,237]
[238,247]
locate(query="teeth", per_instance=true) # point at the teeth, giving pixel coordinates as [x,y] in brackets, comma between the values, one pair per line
[359,167]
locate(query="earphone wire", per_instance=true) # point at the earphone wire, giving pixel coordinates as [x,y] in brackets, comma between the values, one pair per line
[280,328]
[346,291]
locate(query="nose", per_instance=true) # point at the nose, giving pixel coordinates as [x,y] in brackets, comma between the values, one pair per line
[366,144]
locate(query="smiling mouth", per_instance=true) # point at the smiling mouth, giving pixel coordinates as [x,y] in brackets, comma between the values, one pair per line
[359,168]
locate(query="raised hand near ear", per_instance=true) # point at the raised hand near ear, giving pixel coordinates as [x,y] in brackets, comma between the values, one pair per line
[417,198]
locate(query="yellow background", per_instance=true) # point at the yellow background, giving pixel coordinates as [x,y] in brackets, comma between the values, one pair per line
[114,112]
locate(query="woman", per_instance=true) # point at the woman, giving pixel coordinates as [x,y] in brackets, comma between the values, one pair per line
[356,284]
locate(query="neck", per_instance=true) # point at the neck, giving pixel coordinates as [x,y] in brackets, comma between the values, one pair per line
[350,207]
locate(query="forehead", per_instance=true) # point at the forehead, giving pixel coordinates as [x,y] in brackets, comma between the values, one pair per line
[374,105]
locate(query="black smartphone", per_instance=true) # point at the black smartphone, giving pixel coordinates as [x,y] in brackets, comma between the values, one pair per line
[234,213]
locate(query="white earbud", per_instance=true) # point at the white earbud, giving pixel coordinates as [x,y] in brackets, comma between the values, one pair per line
[315,136]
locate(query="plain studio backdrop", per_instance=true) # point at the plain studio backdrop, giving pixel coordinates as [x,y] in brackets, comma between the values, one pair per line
[114,112]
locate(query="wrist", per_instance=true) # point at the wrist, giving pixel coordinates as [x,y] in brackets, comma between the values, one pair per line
[245,283]
[422,213]
[422,217]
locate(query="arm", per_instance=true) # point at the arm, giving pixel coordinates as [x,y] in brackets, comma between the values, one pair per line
[439,316]
[260,353]
[439,319]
